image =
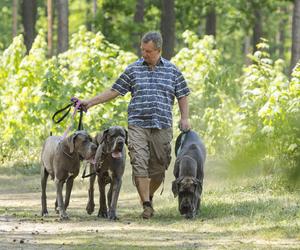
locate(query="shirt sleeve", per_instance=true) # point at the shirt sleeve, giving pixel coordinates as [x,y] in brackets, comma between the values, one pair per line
[181,88]
[123,83]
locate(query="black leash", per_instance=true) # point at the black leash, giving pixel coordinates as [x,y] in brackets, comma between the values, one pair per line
[75,102]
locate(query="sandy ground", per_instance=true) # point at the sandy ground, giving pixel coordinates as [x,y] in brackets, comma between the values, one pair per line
[22,227]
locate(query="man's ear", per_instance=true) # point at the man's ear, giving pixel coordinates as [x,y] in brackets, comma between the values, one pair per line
[175,188]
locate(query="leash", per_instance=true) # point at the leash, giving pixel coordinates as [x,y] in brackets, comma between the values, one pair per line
[76,103]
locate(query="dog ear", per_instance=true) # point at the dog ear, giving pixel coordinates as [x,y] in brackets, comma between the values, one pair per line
[198,185]
[71,141]
[175,188]
[104,136]
[126,136]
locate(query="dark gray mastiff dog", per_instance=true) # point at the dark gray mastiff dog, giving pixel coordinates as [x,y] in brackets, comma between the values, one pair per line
[110,165]
[188,171]
[61,160]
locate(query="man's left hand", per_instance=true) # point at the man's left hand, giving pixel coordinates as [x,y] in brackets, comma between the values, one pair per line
[184,125]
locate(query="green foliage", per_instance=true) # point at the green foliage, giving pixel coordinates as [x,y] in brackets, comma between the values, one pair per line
[33,88]
[213,90]
[252,119]
[269,115]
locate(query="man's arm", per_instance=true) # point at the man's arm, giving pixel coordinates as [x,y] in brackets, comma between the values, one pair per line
[105,96]
[184,124]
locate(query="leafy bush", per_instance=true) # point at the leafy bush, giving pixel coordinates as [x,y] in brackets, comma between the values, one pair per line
[268,115]
[33,88]
[213,90]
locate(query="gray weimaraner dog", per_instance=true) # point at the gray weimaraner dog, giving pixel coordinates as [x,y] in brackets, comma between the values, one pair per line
[61,160]
[110,165]
[188,171]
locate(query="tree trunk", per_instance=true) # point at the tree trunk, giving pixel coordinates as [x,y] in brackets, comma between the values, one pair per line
[211,21]
[295,35]
[138,20]
[29,12]
[94,14]
[88,17]
[257,29]
[168,28]
[50,27]
[282,32]
[15,18]
[247,48]
[63,25]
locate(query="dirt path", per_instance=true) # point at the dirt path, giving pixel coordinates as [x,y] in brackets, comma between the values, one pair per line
[21,226]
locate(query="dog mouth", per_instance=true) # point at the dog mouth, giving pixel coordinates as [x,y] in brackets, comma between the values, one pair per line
[116,154]
[117,151]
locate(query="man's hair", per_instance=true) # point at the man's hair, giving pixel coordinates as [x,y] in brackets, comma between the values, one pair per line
[153,36]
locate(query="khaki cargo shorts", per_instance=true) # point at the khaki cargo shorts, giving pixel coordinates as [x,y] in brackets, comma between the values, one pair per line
[149,151]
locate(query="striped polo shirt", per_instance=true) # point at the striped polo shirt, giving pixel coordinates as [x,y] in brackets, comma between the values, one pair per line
[152,92]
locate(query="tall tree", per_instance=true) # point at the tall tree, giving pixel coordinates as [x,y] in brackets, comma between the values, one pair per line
[138,20]
[295,35]
[63,25]
[29,16]
[211,21]
[168,28]
[15,17]
[50,27]
[282,31]
[257,28]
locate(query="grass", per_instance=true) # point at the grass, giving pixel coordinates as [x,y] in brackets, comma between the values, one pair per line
[236,213]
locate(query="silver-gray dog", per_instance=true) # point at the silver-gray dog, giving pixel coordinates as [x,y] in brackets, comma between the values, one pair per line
[61,160]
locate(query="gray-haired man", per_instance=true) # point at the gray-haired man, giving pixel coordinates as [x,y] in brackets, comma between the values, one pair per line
[153,83]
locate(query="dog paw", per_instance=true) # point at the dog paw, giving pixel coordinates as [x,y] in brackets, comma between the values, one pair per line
[44,213]
[90,207]
[63,216]
[112,215]
[102,214]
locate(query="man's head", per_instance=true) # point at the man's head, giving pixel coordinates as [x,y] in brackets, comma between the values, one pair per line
[151,46]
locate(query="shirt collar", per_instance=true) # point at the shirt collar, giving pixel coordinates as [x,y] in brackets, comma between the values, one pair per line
[160,61]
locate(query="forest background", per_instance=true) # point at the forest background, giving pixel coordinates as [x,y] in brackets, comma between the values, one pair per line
[238,56]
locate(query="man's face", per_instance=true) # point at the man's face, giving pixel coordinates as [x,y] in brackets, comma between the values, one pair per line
[150,53]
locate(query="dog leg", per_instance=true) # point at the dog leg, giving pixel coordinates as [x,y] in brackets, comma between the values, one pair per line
[69,185]
[44,177]
[91,204]
[116,186]
[59,197]
[102,200]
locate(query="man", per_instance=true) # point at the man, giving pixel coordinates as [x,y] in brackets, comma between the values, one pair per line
[153,82]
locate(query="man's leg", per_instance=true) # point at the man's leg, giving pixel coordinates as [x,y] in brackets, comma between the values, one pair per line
[160,151]
[155,182]
[139,157]
[143,187]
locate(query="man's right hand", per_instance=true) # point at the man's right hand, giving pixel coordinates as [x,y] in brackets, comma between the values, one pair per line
[85,104]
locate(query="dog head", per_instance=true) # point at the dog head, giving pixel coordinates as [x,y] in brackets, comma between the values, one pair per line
[188,189]
[112,141]
[81,143]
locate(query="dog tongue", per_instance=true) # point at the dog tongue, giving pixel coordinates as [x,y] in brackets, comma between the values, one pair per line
[116,154]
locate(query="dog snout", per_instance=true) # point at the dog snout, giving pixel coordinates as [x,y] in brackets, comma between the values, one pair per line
[185,207]
[119,144]
[94,147]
